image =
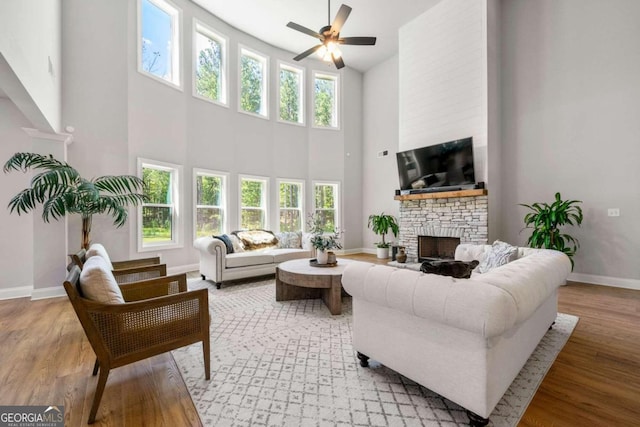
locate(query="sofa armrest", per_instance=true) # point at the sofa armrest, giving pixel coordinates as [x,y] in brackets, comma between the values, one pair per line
[462,303]
[213,253]
[209,244]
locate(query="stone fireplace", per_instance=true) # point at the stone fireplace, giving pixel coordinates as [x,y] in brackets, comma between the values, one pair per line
[433,224]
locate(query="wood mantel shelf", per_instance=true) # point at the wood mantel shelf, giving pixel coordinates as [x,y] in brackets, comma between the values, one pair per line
[443,194]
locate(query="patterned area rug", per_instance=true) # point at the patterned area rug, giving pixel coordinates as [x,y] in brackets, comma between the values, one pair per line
[292,364]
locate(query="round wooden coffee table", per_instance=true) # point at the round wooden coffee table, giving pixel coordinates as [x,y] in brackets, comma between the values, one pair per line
[296,279]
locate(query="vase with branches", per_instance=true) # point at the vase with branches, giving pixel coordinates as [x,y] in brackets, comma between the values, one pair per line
[546,219]
[61,191]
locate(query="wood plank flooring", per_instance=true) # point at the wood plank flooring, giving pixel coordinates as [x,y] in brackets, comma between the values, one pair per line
[45,359]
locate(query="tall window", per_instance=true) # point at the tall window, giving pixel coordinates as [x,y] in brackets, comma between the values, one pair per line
[291,94]
[325,100]
[159,40]
[325,199]
[253,202]
[253,82]
[210,80]
[291,204]
[210,190]
[159,214]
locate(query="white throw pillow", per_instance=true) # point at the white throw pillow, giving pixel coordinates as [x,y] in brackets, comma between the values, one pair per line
[306,241]
[289,239]
[99,250]
[97,282]
[500,253]
[237,243]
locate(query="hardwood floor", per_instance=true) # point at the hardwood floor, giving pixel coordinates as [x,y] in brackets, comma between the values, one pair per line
[45,359]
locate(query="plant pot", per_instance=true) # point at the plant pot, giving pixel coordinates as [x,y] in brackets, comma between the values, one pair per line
[322,256]
[382,253]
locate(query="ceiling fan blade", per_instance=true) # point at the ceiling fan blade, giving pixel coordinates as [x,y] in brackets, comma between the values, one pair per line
[341,17]
[304,30]
[338,61]
[362,41]
[307,53]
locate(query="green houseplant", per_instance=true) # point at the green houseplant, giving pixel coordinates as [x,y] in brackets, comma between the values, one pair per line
[546,220]
[61,191]
[381,224]
[321,239]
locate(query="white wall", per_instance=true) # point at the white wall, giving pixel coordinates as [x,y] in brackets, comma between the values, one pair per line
[443,78]
[16,250]
[30,59]
[120,115]
[380,130]
[571,103]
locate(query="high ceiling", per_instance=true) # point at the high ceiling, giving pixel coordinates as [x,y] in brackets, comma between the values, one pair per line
[267,20]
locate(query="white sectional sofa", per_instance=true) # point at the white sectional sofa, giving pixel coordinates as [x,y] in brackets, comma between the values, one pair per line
[217,265]
[465,339]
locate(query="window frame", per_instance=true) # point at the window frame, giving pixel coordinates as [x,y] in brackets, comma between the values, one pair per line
[301,92]
[200,27]
[246,51]
[265,198]
[176,217]
[336,199]
[176,41]
[336,101]
[224,195]
[302,184]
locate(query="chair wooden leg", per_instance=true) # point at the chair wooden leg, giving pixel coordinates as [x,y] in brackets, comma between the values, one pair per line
[102,382]
[95,367]
[206,350]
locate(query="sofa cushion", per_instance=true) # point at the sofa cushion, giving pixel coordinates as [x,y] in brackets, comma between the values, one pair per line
[256,239]
[457,269]
[96,249]
[500,254]
[245,259]
[289,239]
[227,242]
[282,255]
[97,282]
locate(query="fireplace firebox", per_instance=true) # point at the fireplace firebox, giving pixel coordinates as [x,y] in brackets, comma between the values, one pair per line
[437,248]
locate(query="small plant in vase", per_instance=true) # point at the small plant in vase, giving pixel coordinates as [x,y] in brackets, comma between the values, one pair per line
[382,224]
[323,237]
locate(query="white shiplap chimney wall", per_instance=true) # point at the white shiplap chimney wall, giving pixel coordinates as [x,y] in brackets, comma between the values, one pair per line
[443,78]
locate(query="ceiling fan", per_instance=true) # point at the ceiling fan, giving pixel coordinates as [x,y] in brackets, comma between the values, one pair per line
[329,37]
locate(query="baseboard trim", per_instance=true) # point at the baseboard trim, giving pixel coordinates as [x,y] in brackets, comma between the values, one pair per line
[50,292]
[615,282]
[183,269]
[372,251]
[349,251]
[17,292]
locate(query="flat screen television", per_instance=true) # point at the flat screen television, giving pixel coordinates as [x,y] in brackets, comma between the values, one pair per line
[445,165]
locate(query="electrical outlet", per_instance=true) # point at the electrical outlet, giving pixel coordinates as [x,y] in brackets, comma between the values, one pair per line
[383,153]
[613,212]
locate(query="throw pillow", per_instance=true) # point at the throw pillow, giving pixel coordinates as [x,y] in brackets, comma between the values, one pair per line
[289,239]
[457,269]
[97,282]
[99,250]
[227,242]
[237,244]
[306,241]
[256,239]
[500,253]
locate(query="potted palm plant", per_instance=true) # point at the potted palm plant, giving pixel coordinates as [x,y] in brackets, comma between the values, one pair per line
[61,191]
[381,224]
[546,220]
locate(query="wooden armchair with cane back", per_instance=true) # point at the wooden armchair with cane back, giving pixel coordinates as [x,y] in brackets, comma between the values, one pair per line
[127,271]
[130,322]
